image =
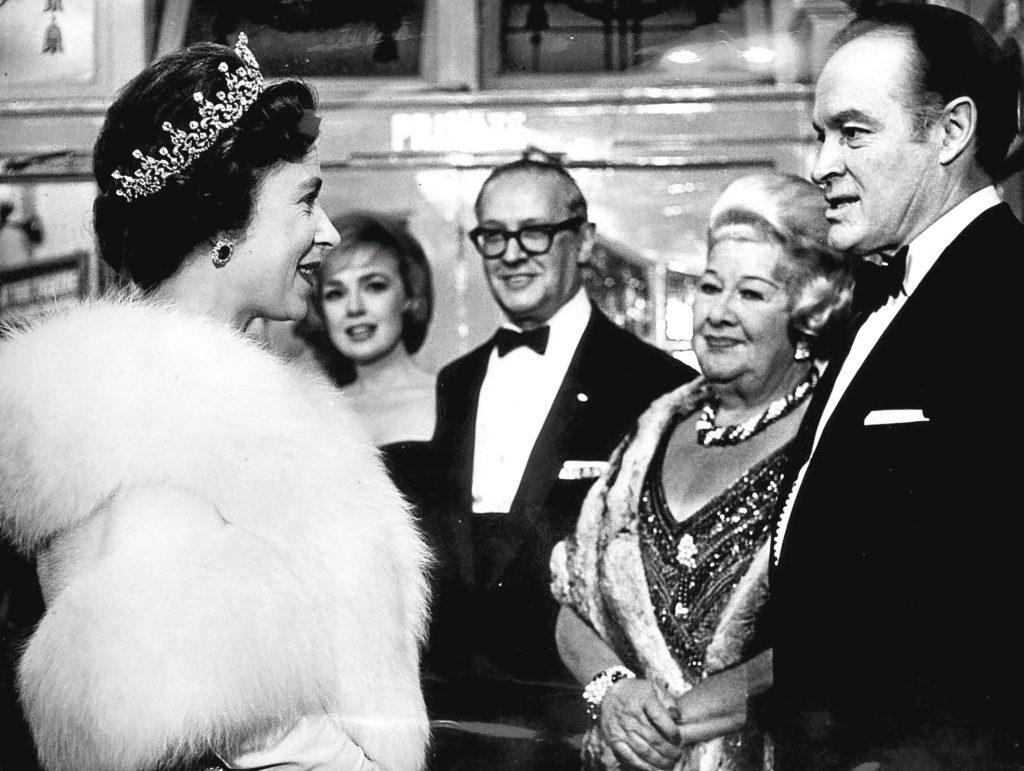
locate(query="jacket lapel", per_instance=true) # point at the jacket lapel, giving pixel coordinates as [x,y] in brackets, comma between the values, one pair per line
[918,324]
[915,325]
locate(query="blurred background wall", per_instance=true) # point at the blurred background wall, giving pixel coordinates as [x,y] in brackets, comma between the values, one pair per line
[654,105]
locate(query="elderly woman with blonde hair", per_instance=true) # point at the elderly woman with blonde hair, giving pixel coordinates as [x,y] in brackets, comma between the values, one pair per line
[663,578]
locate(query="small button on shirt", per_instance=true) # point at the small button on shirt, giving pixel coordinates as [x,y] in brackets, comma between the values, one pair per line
[515,398]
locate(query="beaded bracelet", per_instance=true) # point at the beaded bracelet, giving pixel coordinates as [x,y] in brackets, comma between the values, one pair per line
[598,687]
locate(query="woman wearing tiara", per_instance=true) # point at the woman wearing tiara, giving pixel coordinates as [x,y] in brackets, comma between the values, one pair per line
[230,578]
[666,570]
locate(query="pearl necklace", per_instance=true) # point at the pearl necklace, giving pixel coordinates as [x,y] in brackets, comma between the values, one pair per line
[710,434]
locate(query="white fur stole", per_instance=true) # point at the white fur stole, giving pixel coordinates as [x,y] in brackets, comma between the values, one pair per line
[228,552]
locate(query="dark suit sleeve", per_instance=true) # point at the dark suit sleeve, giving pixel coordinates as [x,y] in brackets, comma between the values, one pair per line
[443,645]
[441,403]
[643,371]
[442,445]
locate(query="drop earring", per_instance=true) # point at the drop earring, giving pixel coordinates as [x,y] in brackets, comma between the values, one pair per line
[802,352]
[221,252]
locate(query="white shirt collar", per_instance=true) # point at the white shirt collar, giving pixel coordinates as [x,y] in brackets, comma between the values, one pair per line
[515,399]
[934,239]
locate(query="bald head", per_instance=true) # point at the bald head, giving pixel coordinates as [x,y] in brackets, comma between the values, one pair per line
[565,189]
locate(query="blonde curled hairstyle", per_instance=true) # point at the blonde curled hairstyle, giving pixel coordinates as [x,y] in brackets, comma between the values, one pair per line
[784,209]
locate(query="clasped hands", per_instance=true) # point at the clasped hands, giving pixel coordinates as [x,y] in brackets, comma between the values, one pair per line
[648,729]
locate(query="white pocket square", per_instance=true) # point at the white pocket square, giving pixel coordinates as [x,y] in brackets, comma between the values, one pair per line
[582,469]
[891,417]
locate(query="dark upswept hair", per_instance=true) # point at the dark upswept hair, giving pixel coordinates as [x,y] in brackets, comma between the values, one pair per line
[147,239]
[391,236]
[953,56]
[787,210]
[573,198]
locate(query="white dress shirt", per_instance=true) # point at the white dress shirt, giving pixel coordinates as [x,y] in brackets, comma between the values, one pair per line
[515,398]
[922,254]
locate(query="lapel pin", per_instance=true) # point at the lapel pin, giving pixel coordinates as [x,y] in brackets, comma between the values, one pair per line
[582,397]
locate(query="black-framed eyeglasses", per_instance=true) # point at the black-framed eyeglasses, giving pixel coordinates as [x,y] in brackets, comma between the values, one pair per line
[532,239]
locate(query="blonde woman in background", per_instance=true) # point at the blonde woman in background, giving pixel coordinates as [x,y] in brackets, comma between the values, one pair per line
[375,296]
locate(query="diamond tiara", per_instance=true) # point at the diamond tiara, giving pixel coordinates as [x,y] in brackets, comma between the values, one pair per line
[244,86]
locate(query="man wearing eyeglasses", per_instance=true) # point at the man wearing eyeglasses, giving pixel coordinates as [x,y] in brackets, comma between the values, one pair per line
[524,424]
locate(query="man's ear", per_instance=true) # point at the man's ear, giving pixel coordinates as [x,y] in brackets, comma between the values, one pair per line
[587,241]
[959,126]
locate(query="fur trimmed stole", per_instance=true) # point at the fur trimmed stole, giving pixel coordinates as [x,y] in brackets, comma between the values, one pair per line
[221,550]
[598,572]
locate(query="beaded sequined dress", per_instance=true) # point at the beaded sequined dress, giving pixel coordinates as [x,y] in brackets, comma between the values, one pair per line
[692,567]
[674,600]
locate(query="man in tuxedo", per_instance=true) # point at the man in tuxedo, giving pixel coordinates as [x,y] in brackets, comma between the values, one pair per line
[524,424]
[894,590]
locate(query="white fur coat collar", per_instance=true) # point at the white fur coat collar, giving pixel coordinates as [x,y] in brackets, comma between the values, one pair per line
[225,551]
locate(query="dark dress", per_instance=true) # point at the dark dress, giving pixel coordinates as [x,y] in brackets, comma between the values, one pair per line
[21,607]
[409,463]
[693,567]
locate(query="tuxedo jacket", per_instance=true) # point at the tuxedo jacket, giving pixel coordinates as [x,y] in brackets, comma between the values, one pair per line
[894,605]
[494,615]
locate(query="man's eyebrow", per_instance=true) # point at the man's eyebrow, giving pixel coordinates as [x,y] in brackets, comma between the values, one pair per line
[846,116]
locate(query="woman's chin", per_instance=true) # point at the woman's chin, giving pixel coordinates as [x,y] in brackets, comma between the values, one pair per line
[295,309]
[371,352]
[719,375]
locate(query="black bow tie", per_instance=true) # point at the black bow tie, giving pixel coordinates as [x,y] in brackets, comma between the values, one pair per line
[877,282]
[509,339]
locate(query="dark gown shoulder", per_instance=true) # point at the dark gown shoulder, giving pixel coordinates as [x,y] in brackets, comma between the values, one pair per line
[410,465]
[21,607]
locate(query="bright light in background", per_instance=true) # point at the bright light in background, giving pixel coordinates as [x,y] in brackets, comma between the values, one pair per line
[678,319]
[758,55]
[683,56]
[678,188]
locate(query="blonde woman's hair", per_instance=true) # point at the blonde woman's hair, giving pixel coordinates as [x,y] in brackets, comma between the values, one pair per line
[784,209]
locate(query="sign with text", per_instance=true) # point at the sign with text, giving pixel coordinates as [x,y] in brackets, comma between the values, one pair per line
[458,131]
